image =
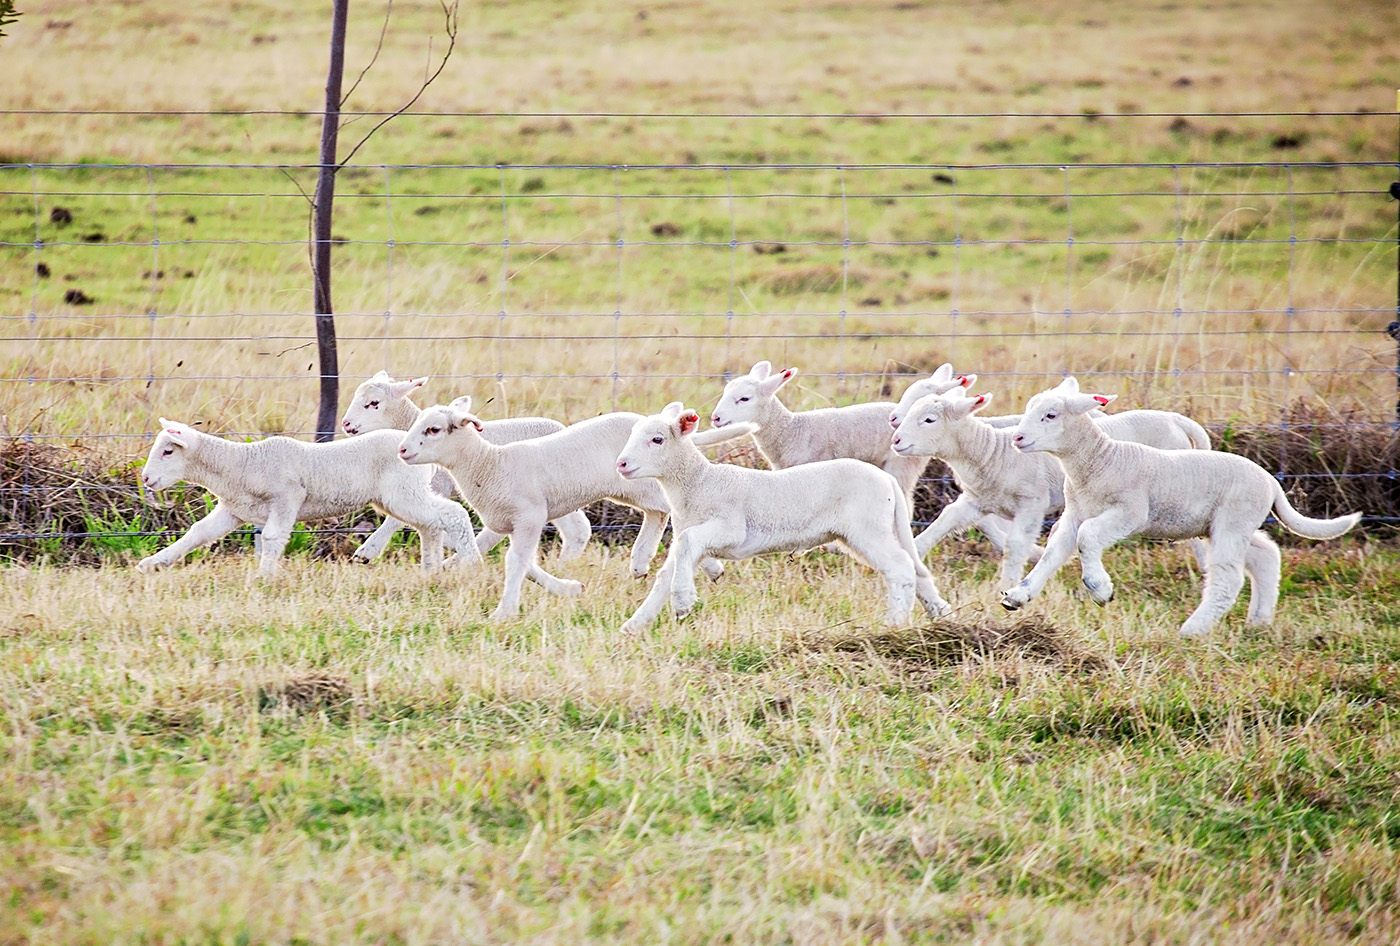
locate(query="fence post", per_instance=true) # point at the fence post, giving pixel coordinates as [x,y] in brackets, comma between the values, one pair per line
[321,231]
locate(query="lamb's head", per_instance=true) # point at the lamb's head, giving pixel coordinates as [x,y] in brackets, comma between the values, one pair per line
[654,440]
[1051,417]
[940,381]
[931,424]
[165,464]
[747,397]
[439,431]
[375,404]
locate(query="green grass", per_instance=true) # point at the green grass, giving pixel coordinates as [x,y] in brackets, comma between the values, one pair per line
[356,743]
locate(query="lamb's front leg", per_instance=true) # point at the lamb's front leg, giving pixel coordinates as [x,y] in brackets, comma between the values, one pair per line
[959,514]
[1097,535]
[1020,540]
[648,539]
[1058,550]
[650,608]
[217,524]
[689,548]
[520,558]
[281,518]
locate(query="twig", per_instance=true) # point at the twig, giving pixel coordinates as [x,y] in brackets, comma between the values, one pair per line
[388,11]
[450,27]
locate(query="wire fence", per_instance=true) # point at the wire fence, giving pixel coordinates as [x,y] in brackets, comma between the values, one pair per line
[1230,276]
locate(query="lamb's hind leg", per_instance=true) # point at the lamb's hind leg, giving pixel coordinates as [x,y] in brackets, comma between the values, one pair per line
[1262,565]
[372,547]
[1224,579]
[884,554]
[574,530]
[648,539]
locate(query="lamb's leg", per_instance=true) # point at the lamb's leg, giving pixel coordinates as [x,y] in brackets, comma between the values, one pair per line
[689,547]
[486,540]
[648,539]
[1262,565]
[374,546]
[574,532]
[276,531]
[1059,549]
[1096,536]
[1020,540]
[552,583]
[521,555]
[217,524]
[437,520]
[1224,579]
[651,606]
[927,592]
[959,514]
[884,554]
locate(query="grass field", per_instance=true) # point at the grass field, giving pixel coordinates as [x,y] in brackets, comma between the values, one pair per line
[354,754]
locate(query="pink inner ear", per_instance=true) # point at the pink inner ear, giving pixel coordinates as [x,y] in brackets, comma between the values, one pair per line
[171,430]
[962,380]
[1100,398]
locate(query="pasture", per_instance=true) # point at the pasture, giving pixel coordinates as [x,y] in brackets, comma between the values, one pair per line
[357,754]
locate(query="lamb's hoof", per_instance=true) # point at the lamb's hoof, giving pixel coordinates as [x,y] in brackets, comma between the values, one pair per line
[640,574]
[631,627]
[1013,599]
[1097,593]
[570,588]
[941,610]
[505,614]
[361,557]
[1194,629]
[713,570]
[147,565]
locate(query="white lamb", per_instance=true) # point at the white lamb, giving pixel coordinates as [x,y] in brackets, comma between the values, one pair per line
[382,403]
[788,439]
[732,512]
[1001,486]
[279,481]
[516,487]
[1114,490]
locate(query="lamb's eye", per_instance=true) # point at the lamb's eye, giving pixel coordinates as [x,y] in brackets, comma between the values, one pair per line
[434,431]
[167,451]
[373,405]
[657,440]
[743,399]
[1051,416]
[928,420]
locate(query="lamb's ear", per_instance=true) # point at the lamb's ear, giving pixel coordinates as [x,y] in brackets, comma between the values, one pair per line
[463,404]
[179,434]
[1069,385]
[963,406]
[381,375]
[687,423]
[458,416]
[771,385]
[404,388]
[760,370]
[1084,403]
[967,380]
[943,372]
[672,411]
[1104,399]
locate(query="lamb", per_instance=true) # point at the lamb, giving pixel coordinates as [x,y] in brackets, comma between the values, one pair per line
[516,487]
[1114,490]
[1001,487]
[787,439]
[732,512]
[279,481]
[382,403]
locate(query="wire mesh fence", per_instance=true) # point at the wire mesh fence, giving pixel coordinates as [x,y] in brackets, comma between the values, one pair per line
[1218,274]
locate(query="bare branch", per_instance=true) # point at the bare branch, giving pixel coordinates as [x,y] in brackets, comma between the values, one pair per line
[383,30]
[449,14]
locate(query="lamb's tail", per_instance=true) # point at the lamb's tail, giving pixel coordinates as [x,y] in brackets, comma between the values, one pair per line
[1307,527]
[704,438]
[1194,432]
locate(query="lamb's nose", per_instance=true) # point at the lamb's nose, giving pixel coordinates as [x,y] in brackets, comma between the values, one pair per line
[894,421]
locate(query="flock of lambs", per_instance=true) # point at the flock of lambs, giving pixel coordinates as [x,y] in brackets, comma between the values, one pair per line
[839,475]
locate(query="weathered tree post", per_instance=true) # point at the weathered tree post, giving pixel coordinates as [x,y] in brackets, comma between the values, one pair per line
[321,230]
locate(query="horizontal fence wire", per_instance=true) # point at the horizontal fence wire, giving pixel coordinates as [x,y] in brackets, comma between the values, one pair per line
[1235,278]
